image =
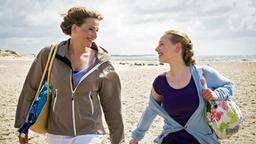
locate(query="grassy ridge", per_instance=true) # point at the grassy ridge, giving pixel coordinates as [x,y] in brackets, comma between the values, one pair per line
[7,53]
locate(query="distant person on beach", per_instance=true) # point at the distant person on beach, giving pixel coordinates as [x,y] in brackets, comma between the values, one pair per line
[83,82]
[178,97]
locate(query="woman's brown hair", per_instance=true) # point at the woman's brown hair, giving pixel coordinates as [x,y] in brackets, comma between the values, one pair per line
[77,15]
[187,46]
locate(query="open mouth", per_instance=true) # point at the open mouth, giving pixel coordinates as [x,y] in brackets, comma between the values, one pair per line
[160,54]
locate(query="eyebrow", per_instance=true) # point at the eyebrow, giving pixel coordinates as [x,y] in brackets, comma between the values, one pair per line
[97,28]
[93,26]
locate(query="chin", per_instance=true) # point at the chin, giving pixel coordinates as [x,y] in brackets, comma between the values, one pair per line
[88,44]
[160,60]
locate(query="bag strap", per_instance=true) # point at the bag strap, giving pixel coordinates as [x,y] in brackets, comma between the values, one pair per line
[50,55]
[50,67]
[53,49]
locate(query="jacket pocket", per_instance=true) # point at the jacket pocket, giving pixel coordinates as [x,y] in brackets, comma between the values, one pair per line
[91,101]
[55,99]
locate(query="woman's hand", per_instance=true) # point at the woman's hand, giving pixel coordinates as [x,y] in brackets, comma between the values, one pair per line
[133,142]
[23,140]
[209,95]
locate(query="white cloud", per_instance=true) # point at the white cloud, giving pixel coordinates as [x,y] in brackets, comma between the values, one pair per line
[132,26]
[243,16]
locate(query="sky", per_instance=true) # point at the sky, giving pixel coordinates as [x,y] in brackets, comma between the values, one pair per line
[134,27]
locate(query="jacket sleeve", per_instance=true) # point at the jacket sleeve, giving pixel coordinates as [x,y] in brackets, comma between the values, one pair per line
[110,97]
[222,86]
[145,122]
[30,87]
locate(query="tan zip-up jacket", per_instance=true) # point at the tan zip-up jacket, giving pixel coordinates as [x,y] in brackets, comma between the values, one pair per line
[76,111]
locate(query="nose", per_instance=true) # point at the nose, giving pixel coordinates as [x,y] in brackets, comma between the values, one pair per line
[157,49]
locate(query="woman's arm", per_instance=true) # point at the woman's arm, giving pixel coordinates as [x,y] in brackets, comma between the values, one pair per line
[110,97]
[30,87]
[145,121]
[29,90]
[220,85]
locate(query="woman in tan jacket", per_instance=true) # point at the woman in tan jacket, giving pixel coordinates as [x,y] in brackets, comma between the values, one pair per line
[83,81]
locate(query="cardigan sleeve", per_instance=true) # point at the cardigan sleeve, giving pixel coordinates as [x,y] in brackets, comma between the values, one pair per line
[145,122]
[222,86]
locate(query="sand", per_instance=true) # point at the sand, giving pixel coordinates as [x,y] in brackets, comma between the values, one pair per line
[136,84]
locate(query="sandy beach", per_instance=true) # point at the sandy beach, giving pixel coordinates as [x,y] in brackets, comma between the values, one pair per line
[136,84]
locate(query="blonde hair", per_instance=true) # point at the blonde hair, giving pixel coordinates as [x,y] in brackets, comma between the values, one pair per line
[77,15]
[187,46]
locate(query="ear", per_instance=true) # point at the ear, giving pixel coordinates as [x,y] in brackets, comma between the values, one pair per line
[74,28]
[178,47]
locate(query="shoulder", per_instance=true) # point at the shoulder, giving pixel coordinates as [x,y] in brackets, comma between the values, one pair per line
[159,79]
[44,51]
[202,67]
[157,86]
[209,70]
[42,54]
[205,68]
[109,71]
[161,76]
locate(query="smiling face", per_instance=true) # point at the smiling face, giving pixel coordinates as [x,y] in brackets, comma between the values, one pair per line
[87,32]
[175,47]
[167,51]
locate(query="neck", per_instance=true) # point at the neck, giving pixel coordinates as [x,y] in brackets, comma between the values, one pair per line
[77,48]
[179,69]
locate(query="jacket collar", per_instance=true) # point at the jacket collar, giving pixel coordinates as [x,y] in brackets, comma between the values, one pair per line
[101,54]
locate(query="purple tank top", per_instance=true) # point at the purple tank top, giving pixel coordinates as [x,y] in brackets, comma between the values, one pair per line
[180,104]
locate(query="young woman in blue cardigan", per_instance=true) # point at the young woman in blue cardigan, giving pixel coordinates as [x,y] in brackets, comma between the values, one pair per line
[178,96]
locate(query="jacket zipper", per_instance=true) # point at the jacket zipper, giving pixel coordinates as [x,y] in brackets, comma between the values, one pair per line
[73,105]
[73,93]
[55,99]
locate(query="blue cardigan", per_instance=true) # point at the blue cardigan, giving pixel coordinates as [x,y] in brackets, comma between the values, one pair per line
[197,125]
